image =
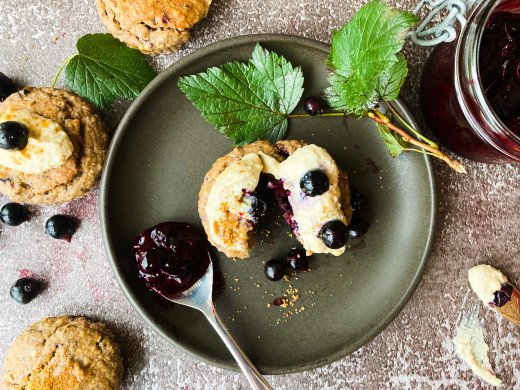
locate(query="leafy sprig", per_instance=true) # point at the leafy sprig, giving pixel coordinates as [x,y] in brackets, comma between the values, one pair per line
[104,68]
[247,102]
[253,101]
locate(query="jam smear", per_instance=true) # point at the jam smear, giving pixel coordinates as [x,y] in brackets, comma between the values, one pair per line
[171,257]
[499,65]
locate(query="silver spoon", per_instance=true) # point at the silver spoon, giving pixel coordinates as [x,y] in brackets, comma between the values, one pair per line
[198,297]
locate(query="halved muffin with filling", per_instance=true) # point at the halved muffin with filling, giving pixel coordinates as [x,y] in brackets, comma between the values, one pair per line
[309,187]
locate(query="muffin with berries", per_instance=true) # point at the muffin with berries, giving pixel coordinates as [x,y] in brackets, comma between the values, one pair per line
[308,185]
[52,146]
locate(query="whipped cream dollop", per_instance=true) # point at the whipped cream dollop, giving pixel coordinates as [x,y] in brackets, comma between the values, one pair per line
[228,208]
[48,145]
[310,213]
[485,280]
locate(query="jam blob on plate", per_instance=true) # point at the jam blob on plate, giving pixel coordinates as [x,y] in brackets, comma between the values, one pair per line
[171,257]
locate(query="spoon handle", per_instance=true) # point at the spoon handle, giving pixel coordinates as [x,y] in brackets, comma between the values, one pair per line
[255,379]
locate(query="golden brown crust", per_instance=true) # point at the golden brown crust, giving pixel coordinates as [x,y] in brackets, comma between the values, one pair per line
[88,134]
[152,26]
[280,150]
[64,352]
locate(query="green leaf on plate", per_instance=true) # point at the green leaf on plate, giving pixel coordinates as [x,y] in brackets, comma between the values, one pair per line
[105,68]
[362,60]
[247,102]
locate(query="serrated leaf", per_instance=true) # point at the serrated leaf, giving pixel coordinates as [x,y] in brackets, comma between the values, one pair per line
[393,141]
[247,102]
[105,68]
[363,59]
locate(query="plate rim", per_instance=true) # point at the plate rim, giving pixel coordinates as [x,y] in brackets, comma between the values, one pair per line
[104,191]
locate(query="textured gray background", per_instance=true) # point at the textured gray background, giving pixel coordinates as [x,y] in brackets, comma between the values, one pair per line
[477,222]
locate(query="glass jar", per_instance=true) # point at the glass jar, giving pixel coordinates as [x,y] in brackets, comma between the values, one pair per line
[453,100]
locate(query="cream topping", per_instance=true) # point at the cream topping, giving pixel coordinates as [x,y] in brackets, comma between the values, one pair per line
[48,145]
[227,201]
[485,280]
[310,213]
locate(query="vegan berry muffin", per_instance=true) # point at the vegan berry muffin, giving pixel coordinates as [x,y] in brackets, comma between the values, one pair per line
[63,353]
[152,26]
[56,146]
[312,191]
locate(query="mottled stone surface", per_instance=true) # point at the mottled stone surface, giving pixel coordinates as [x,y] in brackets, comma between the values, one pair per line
[477,223]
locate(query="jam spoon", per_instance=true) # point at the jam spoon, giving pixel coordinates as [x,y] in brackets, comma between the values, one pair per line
[199,297]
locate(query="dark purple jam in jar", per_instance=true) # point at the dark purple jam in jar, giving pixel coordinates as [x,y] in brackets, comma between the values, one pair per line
[470,89]
[171,257]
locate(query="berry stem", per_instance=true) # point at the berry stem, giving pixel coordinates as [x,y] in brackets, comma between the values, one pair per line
[310,116]
[60,69]
[394,111]
[455,165]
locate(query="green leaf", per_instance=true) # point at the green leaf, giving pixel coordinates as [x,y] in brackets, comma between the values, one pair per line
[363,62]
[393,141]
[247,102]
[105,68]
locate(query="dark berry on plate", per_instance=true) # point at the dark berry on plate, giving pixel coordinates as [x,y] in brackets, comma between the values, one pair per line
[60,226]
[358,201]
[13,135]
[13,214]
[258,206]
[312,106]
[314,183]
[297,260]
[357,227]
[274,269]
[334,234]
[25,290]
[503,295]
[7,87]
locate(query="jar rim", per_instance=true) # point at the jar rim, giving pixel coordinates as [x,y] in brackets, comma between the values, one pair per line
[469,90]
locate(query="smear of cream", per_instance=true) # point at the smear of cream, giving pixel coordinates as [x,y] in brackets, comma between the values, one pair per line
[470,344]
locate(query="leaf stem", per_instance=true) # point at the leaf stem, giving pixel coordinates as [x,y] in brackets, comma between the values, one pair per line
[455,165]
[308,116]
[60,69]
[428,141]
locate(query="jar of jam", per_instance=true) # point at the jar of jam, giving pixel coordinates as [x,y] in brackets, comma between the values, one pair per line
[470,89]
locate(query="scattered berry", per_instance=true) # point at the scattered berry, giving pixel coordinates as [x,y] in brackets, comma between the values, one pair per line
[258,206]
[297,260]
[357,227]
[314,183]
[7,87]
[312,106]
[334,234]
[13,214]
[274,269]
[25,290]
[13,135]
[61,227]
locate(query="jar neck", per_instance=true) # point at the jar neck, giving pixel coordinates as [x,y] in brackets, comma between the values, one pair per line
[468,87]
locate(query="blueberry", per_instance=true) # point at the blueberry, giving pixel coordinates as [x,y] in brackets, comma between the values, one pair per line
[312,106]
[358,201]
[274,269]
[314,183]
[7,87]
[297,260]
[60,226]
[258,206]
[13,135]
[334,234]
[25,290]
[13,214]
[357,227]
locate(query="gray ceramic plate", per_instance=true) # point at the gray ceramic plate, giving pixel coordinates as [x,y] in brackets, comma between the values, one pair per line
[157,161]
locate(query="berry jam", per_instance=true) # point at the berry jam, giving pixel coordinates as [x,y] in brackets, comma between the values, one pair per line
[171,257]
[503,295]
[499,58]
[500,66]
